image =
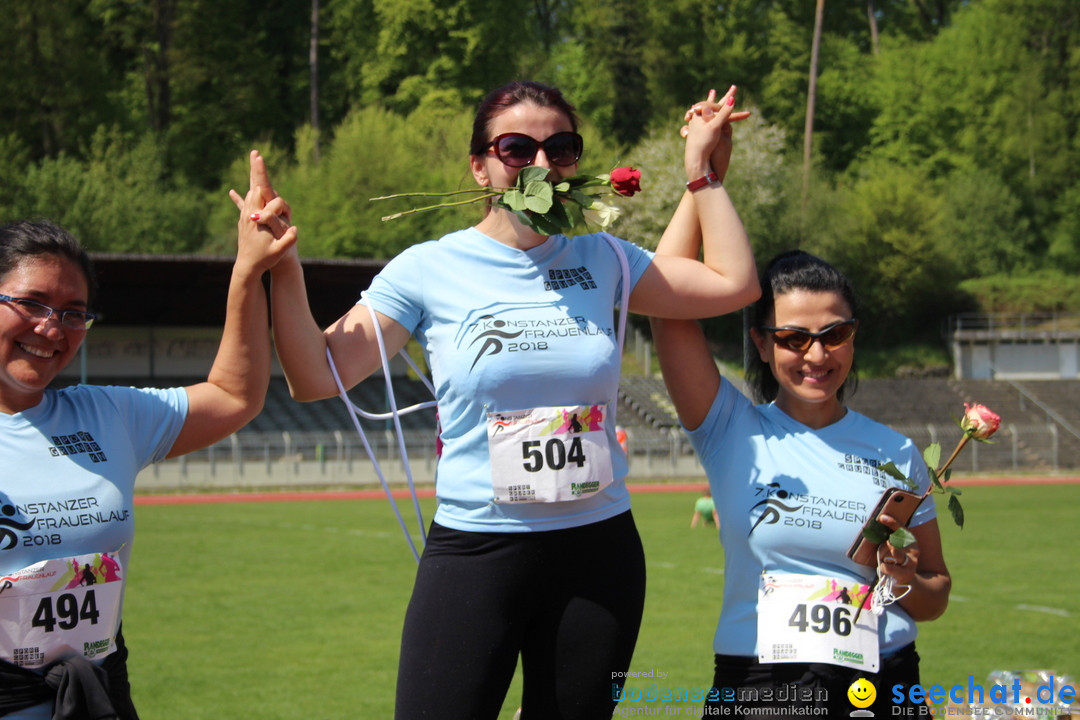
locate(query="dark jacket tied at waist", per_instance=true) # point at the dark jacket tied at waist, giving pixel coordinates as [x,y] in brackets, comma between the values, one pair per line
[77,688]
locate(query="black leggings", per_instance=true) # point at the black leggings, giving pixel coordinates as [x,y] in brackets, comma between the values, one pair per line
[569,601]
[816,685]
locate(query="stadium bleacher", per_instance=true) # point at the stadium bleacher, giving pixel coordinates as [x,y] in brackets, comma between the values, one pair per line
[1040,429]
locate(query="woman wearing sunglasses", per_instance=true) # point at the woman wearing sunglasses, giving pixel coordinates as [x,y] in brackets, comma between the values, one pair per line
[533,551]
[69,458]
[794,480]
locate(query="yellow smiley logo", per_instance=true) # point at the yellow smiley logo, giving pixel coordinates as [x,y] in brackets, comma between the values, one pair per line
[862,693]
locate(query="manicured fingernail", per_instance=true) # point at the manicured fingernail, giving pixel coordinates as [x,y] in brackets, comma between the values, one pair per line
[255,217]
[731,100]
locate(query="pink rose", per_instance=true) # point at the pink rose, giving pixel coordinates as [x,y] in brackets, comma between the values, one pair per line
[626,181]
[980,422]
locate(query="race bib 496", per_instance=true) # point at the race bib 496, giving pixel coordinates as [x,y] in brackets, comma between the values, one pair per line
[810,618]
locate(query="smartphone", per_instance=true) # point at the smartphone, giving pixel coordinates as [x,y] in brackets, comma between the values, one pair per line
[896,503]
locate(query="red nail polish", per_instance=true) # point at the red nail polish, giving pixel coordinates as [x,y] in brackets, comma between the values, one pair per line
[255,217]
[731,100]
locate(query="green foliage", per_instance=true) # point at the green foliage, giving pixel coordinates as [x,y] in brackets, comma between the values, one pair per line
[14,159]
[373,153]
[117,200]
[1064,236]
[882,238]
[614,32]
[989,93]
[430,50]
[945,137]
[1043,291]
[982,229]
[844,110]
[756,181]
[697,45]
[55,76]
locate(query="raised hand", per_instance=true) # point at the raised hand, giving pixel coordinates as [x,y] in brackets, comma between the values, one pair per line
[265,233]
[258,177]
[722,112]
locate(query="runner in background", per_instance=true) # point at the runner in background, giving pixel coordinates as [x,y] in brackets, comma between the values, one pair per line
[705,511]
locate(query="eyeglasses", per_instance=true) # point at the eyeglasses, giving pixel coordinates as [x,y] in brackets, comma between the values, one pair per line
[74,319]
[518,150]
[797,340]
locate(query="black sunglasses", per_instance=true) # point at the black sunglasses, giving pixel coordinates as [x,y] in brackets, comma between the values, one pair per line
[518,150]
[797,340]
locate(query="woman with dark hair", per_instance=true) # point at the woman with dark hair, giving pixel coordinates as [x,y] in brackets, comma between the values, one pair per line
[69,458]
[533,550]
[794,479]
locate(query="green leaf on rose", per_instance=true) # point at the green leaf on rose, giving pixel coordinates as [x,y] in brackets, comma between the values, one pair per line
[901,538]
[956,511]
[892,471]
[513,199]
[875,532]
[557,213]
[539,196]
[932,455]
[546,205]
[575,213]
[582,199]
[540,223]
[532,174]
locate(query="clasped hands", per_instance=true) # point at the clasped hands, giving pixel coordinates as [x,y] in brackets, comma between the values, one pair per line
[703,114]
[265,227]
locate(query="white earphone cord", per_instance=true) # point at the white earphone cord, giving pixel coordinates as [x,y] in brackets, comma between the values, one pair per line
[394,414]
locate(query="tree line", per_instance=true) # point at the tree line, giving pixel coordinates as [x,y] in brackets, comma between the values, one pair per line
[938,166]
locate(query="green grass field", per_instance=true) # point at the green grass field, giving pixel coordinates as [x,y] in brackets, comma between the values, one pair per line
[293,609]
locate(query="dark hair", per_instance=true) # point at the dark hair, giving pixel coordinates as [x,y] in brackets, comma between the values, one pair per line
[508,96]
[36,238]
[789,271]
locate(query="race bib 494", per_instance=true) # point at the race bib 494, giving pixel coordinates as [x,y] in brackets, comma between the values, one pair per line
[59,608]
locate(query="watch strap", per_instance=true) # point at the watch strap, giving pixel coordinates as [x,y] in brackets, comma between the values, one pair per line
[707,179]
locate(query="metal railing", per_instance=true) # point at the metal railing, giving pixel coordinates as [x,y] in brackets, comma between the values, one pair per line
[295,460]
[1018,326]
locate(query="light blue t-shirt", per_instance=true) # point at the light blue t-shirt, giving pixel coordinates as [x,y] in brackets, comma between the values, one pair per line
[67,474]
[507,329]
[792,499]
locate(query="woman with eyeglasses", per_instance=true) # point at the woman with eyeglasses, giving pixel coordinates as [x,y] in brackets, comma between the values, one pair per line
[794,479]
[69,458]
[519,330]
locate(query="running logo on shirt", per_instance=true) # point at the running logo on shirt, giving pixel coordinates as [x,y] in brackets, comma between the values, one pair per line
[77,444]
[783,508]
[8,525]
[526,328]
